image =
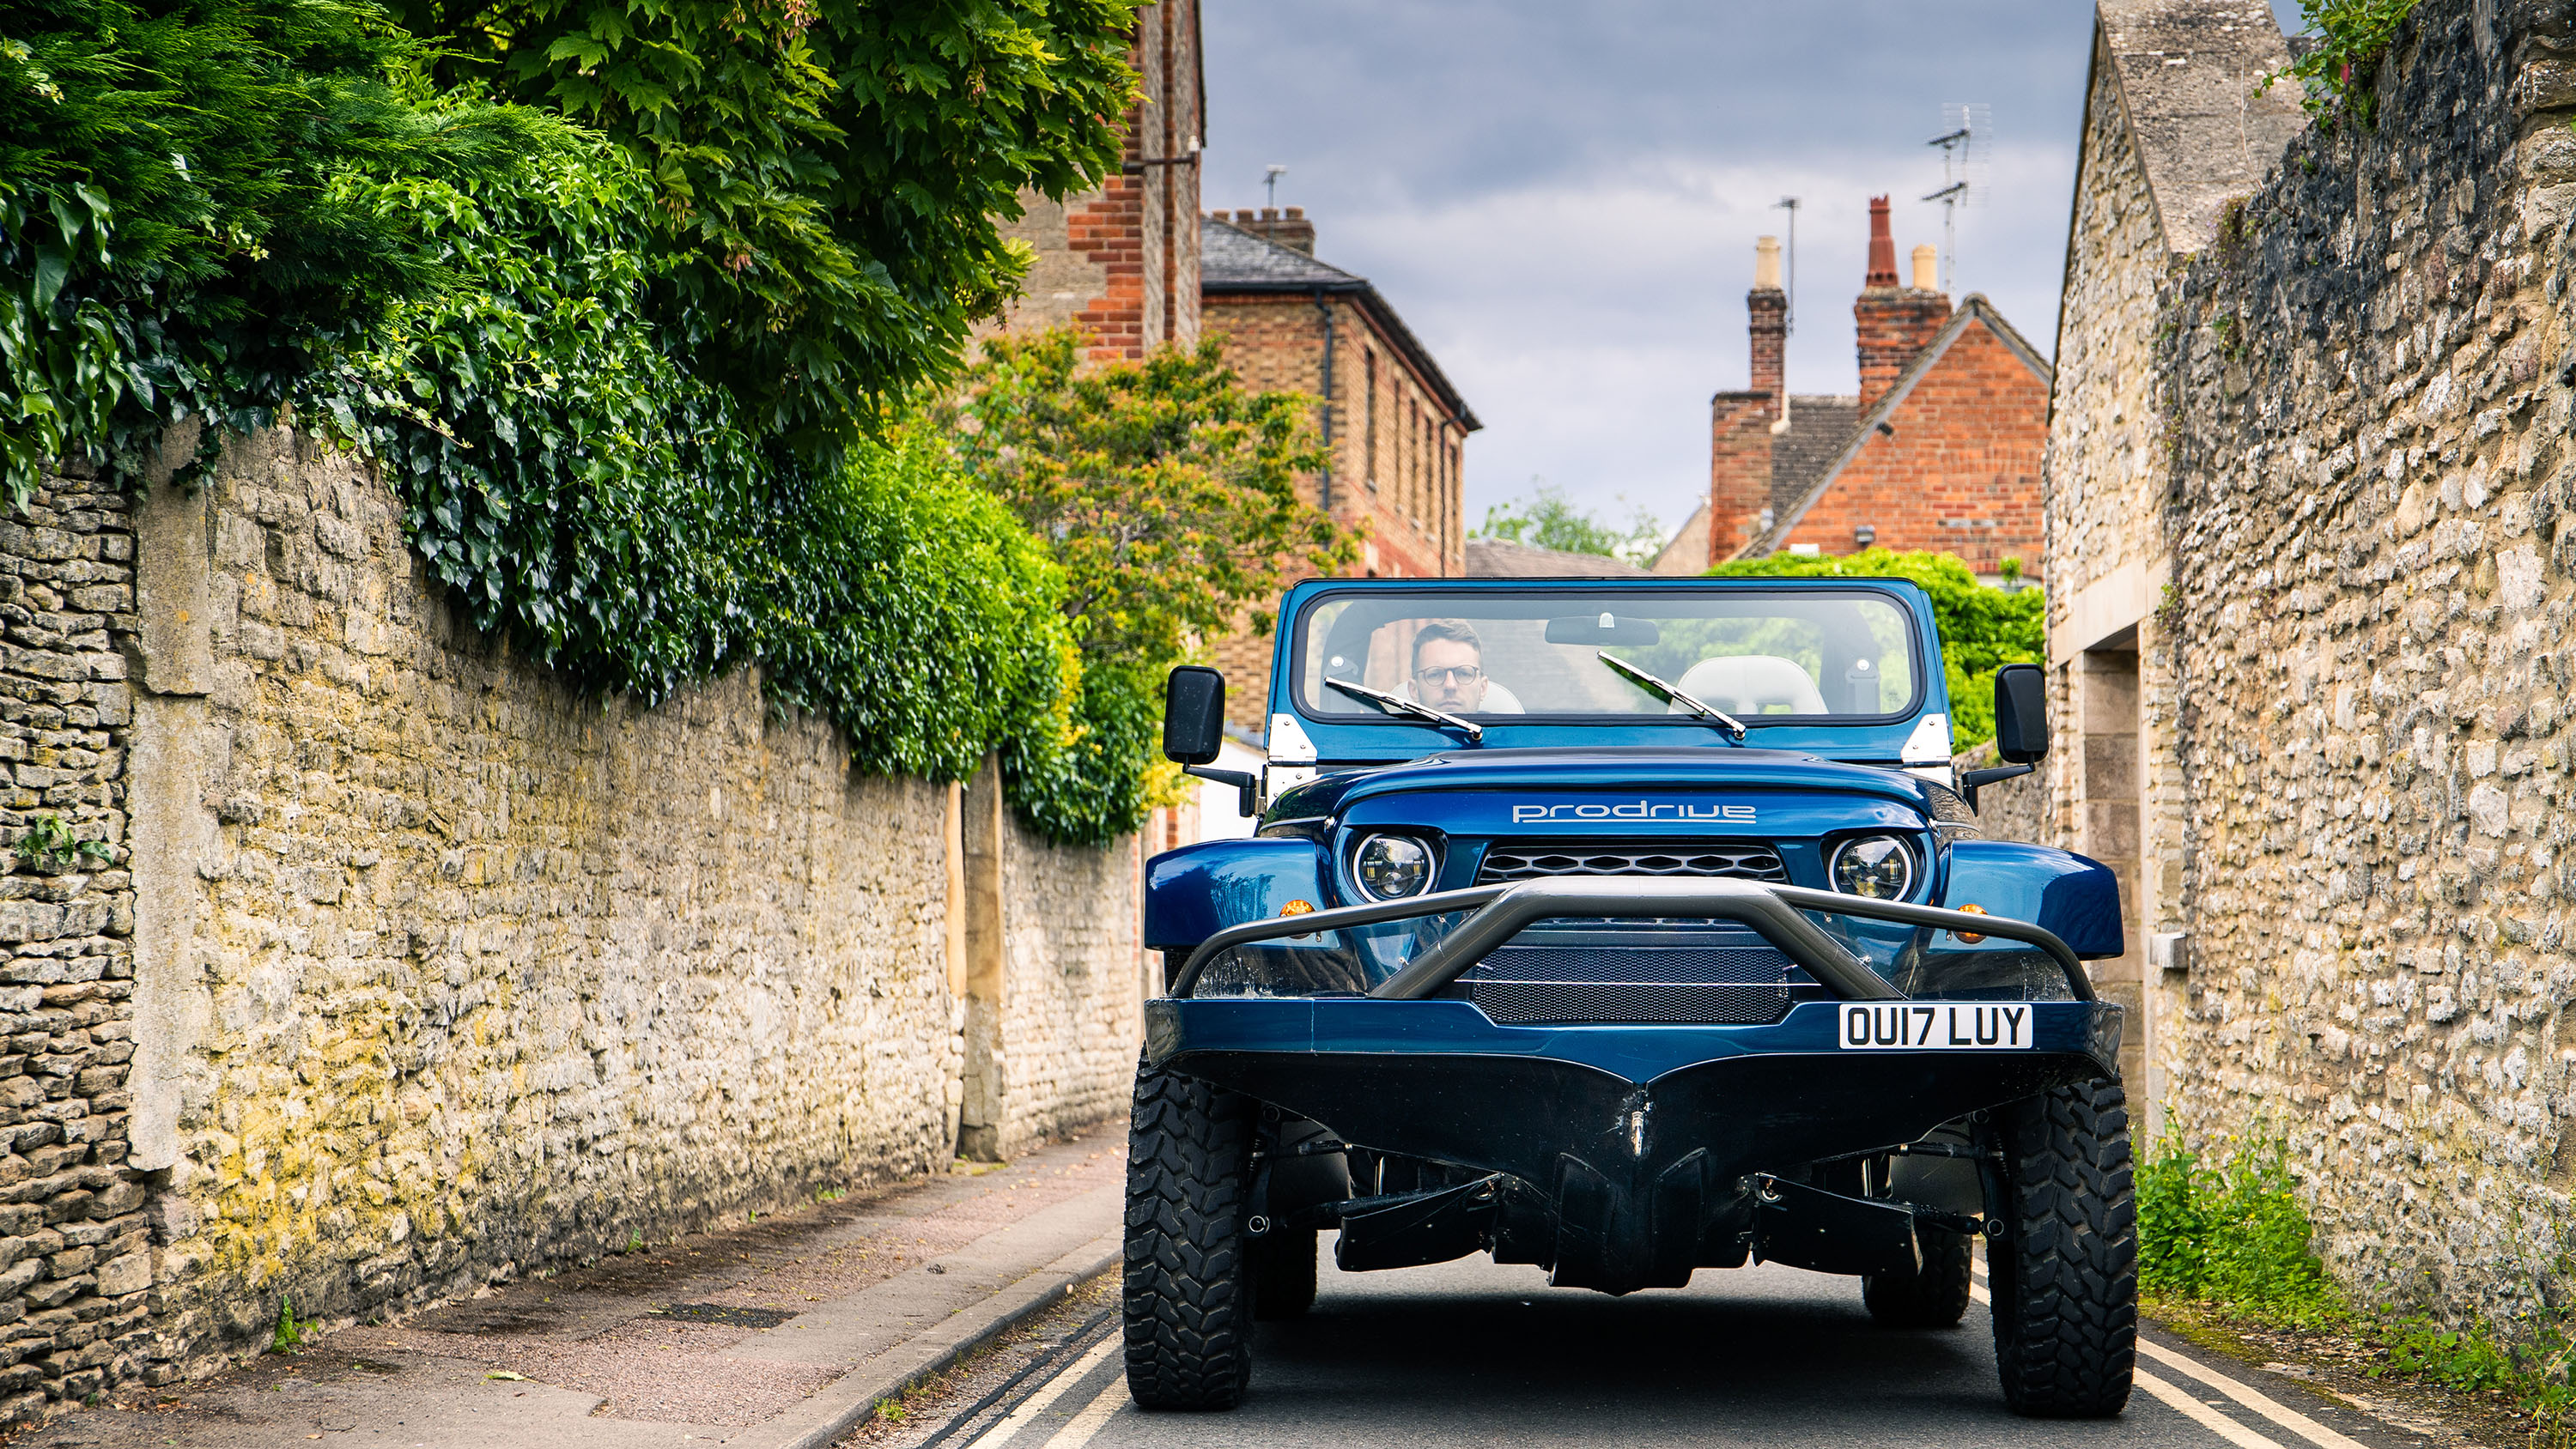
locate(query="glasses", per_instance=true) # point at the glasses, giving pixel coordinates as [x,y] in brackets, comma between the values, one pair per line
[1455,675]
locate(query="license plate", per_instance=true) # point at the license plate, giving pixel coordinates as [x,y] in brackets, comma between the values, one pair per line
[1936,1026]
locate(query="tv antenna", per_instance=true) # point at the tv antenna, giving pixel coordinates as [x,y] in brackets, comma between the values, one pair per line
[1789,319]
[1966,143]
[1270,185]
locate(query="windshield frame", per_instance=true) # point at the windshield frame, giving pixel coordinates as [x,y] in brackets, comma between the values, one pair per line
[1429,590]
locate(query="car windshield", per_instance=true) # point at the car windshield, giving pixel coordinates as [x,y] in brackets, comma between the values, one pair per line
[1759,656]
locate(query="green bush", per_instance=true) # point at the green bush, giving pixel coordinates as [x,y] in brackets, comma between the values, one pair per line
[915,611]
[2234,1235]
[1982,628]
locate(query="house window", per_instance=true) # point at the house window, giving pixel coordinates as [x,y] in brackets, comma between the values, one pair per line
[1368,465]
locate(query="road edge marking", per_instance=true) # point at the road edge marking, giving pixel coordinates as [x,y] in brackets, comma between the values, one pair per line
[1094,1414]
[2206,1417]
[1039,1402]
[2255,1399]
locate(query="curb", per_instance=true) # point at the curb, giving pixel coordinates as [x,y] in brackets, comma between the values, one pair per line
[843,1403]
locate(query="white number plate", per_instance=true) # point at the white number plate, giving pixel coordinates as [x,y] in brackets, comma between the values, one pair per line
[1936,1026]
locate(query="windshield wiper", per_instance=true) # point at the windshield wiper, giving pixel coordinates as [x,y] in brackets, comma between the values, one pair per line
[1670,693]
[1398,704]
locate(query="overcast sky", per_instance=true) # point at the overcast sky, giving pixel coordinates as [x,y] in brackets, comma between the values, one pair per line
[1562,199]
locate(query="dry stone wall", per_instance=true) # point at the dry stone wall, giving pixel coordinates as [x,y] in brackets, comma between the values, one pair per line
[2372,686]
[75,1264]
[441,973]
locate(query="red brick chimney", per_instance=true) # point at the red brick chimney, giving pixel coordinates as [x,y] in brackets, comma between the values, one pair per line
[1768,308]
[1739,439]
[1893,322]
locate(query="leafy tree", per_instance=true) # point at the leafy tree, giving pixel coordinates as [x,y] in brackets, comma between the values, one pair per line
[174,235]
[831,171]
[1982,628]
[1548,519]
[1169,493]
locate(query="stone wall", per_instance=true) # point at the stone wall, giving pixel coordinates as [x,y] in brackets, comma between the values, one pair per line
[75,1269]
[448,974]
[2372,520]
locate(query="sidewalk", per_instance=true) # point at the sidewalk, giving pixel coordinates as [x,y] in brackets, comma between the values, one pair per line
[776,1335]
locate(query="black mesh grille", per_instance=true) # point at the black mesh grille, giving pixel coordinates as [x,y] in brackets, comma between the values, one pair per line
[1537,860]
[1574,1002]
[1735,979]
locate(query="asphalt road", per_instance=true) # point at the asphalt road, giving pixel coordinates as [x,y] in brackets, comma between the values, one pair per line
[1470,1353]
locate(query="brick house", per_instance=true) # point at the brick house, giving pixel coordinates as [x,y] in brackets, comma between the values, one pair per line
[1395,425]
[1121,262]
[1938,450]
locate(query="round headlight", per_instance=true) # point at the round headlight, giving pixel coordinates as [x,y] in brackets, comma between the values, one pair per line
[1391,867]
[1876,866]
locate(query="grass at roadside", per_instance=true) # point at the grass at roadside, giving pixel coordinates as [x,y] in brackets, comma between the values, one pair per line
[2224,1247]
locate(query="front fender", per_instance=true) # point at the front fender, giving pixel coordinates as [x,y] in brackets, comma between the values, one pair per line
[2075,897]
[1198,890]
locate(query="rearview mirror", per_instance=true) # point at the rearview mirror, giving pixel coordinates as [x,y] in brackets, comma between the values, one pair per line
[1602,628]
[2021,714]
[1193,714]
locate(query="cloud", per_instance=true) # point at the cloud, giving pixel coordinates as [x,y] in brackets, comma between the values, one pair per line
[1562,199]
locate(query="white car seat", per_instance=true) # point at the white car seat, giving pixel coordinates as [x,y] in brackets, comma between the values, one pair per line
[1750,684]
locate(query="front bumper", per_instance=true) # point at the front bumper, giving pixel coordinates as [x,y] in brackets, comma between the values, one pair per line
[1633,1152]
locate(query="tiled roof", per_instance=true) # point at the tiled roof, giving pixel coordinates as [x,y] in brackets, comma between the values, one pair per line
[1234,260]
[1494,558]
[1818,428]
[1230,258]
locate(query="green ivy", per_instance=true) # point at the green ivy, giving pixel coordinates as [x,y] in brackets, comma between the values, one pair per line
[2347,39]
[1982,628]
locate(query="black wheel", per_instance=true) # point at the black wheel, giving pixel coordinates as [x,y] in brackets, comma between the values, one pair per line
[2064,1277]
[1187,1290]
[1934,1296]
[1283,1274]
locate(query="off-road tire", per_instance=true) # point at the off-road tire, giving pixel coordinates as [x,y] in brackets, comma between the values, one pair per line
[1934,1296]
[1283,1274]
[2064,1277]
[1188,1284]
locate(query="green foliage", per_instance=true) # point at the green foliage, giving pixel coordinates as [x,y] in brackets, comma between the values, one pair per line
[829,174]
[2235,1235]
[1170,495]
[2350,37]
[291,1331]
[171,237]
[911,608]
[1981,628]
[1547,519]
[48,844]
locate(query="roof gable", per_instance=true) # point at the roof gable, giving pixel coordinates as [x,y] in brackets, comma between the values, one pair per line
[1975,311]
[1233,261]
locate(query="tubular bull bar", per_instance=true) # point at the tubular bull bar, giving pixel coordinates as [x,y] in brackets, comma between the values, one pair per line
[1775,912]
[1621,1156]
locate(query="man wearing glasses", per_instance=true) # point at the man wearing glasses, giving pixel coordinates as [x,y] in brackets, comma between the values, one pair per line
[1448,671]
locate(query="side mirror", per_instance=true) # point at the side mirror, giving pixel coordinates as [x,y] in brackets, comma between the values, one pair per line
[1194,731]
[2021,714]
[1193,715]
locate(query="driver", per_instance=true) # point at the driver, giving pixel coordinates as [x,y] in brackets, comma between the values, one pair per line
[1448,671]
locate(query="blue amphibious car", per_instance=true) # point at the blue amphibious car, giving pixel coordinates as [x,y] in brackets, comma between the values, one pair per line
[1626,928]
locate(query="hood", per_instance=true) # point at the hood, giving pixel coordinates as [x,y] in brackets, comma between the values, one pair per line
[1597,770]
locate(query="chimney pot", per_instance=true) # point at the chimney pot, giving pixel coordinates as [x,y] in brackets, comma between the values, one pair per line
[1296,213]
[1766,264]
[1270,213]
[1927,269]
[1882,247]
